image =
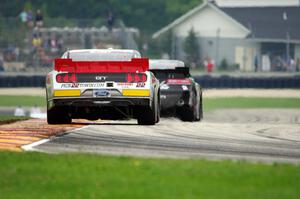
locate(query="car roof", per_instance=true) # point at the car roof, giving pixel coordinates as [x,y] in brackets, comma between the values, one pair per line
[165,64]
[101,54]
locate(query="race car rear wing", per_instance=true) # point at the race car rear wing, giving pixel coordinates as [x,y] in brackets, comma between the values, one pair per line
[135,65]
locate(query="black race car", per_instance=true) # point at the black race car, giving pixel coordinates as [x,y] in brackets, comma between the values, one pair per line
[180,95]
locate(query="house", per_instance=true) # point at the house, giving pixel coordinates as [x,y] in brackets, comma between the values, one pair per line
[265,33]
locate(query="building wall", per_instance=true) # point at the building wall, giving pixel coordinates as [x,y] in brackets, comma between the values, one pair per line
[235,51]
[209,23]
[297,51]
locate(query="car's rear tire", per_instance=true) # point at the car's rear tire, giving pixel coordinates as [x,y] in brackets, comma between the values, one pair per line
[187,114]
[58,116]
[200,109]
[148,115]
[158,109]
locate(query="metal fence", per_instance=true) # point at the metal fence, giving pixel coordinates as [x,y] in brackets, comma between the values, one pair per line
[25,48]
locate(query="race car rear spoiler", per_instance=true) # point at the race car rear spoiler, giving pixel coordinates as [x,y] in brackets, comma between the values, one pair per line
[135,65]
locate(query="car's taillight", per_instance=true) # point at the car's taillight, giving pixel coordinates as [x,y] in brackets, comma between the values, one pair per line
[129,78]
[136,77]
[144,77]
[66,78]
[59,78]
[73,78]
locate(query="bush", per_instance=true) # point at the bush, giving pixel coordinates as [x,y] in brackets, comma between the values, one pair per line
[223,65]
[235,67]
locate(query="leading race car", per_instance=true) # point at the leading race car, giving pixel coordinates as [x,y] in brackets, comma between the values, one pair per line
[180,94]
[102,84]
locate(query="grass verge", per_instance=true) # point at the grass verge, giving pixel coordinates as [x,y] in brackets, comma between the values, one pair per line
[35,175]
[6,119]
[210,104]
[9,100]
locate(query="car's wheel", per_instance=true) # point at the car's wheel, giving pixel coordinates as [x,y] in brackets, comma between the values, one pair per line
[200,110]
[158,114]
[187,114]
[201,107]
[158,109]
[148,115]
[58,116]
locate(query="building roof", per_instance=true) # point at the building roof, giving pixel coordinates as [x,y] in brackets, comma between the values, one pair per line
[191,13]
[274,24]
[255,3]
[268,23]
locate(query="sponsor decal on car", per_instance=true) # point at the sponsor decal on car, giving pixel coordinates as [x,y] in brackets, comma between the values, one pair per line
[101,93]
[179,81]
[83,85]
[101,78]
[125,84]
[140,84]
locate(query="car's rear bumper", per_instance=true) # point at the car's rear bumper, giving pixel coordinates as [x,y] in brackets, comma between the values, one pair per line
[174,99]
[99,102]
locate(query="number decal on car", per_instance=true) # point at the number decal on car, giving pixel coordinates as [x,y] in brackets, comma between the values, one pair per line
[140,85]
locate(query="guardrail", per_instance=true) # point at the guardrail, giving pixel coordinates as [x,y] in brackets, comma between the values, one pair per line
[22,81]
[205,81]
[248,82]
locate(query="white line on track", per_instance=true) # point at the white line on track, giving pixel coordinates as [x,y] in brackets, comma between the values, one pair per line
[77,129]
[30,147]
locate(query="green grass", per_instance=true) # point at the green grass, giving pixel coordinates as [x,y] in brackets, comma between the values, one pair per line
[5,119]
[7,100]
[210,104]
[35,175]
[10,117]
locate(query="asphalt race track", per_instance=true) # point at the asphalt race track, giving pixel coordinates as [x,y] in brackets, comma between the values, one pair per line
[257,135]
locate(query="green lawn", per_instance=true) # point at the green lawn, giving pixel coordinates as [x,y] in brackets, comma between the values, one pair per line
[9,119]
[249,102]
[7,100]
[209,103]
[36,175]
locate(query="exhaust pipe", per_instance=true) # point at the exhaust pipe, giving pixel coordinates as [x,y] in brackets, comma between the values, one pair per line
[180,102]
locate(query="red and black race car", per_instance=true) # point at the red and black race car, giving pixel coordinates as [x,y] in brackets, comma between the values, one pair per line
[180,95]
[102,84]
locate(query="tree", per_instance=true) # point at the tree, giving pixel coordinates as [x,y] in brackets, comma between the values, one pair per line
[191,48]
[224,65]
[166,43]
[148,16]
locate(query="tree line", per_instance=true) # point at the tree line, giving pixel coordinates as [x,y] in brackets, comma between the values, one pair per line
[148,16]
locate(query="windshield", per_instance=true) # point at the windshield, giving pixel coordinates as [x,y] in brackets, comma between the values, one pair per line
[163,75]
